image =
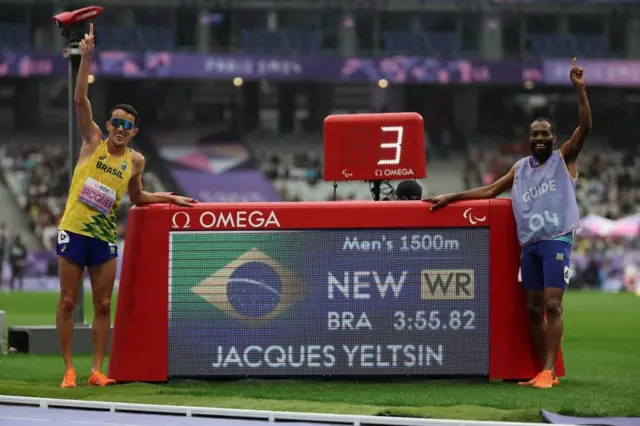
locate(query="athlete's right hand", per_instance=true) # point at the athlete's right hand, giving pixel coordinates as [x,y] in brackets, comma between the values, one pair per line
[182,201]
[439,200]
[87,43]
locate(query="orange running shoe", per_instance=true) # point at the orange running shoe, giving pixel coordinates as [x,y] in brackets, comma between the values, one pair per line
[69,379]
[530,382]
[99,379]
[545,380]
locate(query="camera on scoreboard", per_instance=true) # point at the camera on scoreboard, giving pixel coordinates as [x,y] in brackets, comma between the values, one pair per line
[74,24]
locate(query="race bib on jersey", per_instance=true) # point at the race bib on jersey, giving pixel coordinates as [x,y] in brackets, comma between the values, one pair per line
[97,196]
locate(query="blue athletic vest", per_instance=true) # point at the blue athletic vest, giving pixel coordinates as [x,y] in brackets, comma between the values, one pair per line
[544,200]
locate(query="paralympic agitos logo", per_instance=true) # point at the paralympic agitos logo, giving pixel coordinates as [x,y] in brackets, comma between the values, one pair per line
[233,219]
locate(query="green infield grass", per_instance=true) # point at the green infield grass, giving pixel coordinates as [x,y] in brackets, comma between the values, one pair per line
[601,348]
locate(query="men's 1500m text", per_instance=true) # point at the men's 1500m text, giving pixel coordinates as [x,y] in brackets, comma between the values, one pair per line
[422,242]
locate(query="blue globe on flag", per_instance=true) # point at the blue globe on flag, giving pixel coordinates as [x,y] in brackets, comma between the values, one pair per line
[254,289]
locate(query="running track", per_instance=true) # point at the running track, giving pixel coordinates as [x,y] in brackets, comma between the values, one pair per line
[25,411]
[33,416]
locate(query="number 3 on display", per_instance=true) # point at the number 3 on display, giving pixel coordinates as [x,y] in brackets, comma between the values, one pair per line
[397,144]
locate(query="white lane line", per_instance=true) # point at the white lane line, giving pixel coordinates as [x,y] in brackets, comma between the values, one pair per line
[80,422]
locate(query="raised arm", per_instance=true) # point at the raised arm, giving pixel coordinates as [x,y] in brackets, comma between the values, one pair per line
[89,131]
[571,148]
[481,193]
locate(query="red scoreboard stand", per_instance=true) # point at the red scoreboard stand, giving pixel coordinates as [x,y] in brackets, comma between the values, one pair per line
[148,347]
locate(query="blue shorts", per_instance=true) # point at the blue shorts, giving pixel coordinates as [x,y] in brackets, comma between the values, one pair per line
[83,250]
[546,264]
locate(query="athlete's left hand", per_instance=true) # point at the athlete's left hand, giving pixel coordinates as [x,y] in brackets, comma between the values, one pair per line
[576,74]
[182,201]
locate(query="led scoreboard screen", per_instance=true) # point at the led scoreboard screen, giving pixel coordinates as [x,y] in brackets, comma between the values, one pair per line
[395,301]
[386,146]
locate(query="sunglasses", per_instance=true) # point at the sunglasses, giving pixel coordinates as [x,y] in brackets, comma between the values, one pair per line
[121,122]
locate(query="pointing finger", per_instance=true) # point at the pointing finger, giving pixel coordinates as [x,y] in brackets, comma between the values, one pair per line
[91,31]
[574,62]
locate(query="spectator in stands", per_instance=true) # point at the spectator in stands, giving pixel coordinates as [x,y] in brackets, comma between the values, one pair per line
[3,241]
[3,245]
[470,175]
[17,261]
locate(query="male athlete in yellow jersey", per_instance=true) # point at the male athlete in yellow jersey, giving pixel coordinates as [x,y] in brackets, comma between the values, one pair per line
[87,231]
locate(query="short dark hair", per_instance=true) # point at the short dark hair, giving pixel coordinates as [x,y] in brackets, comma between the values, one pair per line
[128,109]
[552,126]
[409,190]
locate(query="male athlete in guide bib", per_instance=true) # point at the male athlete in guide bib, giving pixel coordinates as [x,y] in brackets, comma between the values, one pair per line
[546,213]
[87,231]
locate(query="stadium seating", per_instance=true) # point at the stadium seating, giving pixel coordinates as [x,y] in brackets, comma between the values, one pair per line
[291,41]
[404,43]
[431,44]
[566,46]
[140,37]
[444,43]
[305,41]
[15,36]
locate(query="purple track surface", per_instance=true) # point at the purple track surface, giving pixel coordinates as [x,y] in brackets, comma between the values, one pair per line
[32,416]
[591,421]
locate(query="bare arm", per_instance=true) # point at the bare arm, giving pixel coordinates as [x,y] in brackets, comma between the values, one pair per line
[571,149]
[89,131]
[488,191]
[482,193]
[140,197]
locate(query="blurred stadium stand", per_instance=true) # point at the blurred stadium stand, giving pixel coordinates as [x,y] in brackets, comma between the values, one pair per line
[562,46]
[300,41]
[144,37]
[15,36]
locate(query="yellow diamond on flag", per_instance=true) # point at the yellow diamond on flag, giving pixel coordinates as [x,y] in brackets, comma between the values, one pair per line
[254,288]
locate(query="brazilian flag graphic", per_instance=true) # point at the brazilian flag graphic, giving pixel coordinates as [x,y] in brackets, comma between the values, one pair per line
[243,276]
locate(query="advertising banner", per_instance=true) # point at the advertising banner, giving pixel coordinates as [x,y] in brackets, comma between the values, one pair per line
[319,302]
[598,72]
[396,69]
[242,186]
[216,171]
